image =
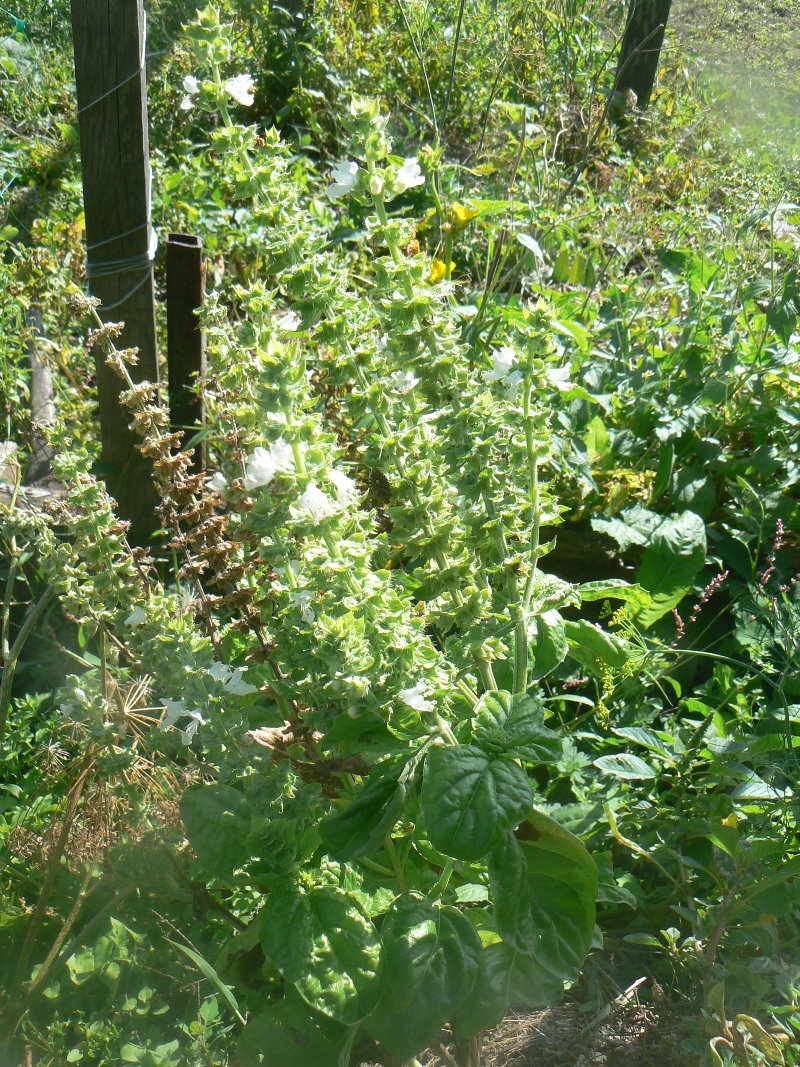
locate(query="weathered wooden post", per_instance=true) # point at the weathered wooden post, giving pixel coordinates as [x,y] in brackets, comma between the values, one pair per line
[186,358]
[641,48]
[109,40]
[43,408]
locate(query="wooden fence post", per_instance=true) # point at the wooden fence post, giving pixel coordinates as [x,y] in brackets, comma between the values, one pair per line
[186,357]
[109,40]
[43,408]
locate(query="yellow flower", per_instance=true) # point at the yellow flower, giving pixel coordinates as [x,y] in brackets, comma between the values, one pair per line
[458,215]
[439,271]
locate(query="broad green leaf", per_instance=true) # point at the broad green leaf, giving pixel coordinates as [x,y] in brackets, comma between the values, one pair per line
[469,797]
[625,765]
[322,942]
[217,821]
[633,526]
[593,647]
[647,738]
[666,461]
[675,555]
[288,1034]
[614,589]
[597,440]
[544,884]
[506,977]
[433,956]
[362,826]
[756,788]
[550,592]
[783,311]
[547,644]
[514,725]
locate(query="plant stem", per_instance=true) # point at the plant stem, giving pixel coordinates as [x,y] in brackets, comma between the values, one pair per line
[53,865]
[35,613]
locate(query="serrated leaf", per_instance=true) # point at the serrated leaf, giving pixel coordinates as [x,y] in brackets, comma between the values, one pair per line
[633,526]
[469,797]
[326,925]
[514,725]
[433,957]
[625,765]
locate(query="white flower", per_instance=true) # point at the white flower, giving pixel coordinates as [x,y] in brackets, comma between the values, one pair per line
[260,468]
[559,378]
[177,709]
[195,720]
[408,176]
[404,380]
[502,361]
[376,185]
[191,88]
[416,697]
[344,177]
[302,598]
[289,321]
[232,679]
[217,482]
[262,465]
[346,488]
[241,89]
[314,504]
[138,617]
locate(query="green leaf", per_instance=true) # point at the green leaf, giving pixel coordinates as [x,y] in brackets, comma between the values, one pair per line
[550,592]
[625,765]
[593,647]
[783,311]
[433,957]
[290,1034]
[544,884]
[217,821]
[598,443]
[647,738]
[514,725]
[633,526]
[547,644]
[205,968]
[363,825]
[505,977]
[469,797]
[755,788]
[676,553]
[666,461]
[327,926]
[614,589]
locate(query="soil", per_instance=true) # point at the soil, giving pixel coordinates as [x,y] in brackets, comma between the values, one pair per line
[635,1035]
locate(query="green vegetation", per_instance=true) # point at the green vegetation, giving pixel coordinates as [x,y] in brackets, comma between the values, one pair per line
[465,678]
